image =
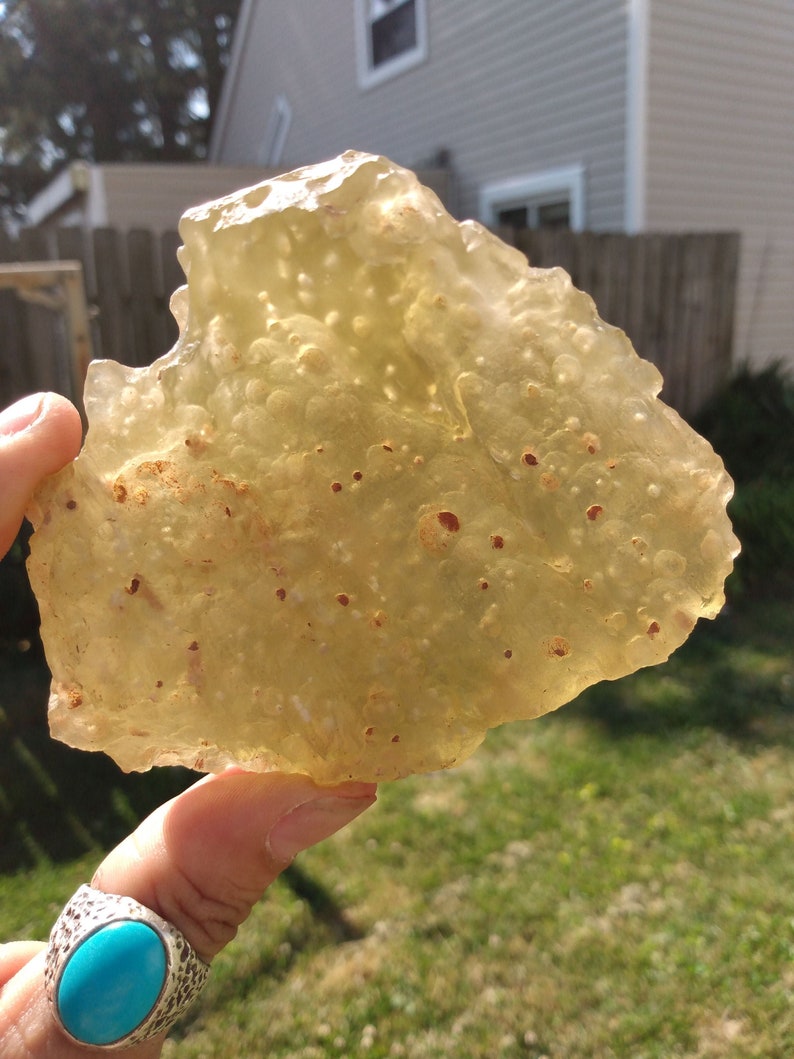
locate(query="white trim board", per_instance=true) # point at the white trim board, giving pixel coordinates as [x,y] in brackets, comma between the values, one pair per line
[637,31]
[368,75]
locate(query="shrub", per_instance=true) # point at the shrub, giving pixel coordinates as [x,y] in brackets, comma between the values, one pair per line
[751,425]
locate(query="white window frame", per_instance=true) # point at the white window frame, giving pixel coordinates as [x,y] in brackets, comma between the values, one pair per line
[276,132]
[369,75]
[535,189]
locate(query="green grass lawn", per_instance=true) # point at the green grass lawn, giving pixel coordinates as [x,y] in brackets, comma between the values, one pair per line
[613,880]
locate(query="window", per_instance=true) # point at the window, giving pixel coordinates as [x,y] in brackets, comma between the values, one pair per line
[553,198]
[391,37]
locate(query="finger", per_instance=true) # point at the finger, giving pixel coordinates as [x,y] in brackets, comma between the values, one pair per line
[14,955]
[27,1029]
[201,862]
[38,435]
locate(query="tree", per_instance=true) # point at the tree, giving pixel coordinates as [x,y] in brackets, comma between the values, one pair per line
[106,80]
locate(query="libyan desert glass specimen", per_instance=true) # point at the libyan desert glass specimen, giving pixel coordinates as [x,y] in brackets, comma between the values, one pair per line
[391,487]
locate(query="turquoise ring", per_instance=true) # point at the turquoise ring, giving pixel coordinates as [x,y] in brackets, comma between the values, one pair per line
[116,973]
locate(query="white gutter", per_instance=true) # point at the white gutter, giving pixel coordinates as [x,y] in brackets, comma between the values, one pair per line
[231,80]
[638,28]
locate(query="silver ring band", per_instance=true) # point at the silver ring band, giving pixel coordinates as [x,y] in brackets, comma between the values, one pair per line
[116,973]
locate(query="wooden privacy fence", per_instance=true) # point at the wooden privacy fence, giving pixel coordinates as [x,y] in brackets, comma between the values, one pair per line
[57,286]
[128,277]
[674,296]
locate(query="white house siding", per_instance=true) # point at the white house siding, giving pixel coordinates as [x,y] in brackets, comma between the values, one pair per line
[516,87]
[720,134]
[155,196]
[128,195]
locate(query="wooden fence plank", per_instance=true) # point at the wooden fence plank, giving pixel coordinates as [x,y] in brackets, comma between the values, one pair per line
[636,293]
[45,343]
[17,377]
[587,258]
[74,244]
[653,326]
[142,269]
[113,296]
[724,298]
[71,244]
[697,259]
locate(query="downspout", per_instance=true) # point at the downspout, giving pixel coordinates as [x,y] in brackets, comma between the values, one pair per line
[96,210]
[637,33]
[220,120]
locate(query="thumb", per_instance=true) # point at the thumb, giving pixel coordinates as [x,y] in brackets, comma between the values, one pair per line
[38,436]
[204,859]
[201,862]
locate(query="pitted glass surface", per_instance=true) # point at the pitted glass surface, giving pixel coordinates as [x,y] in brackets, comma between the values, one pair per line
[392,487]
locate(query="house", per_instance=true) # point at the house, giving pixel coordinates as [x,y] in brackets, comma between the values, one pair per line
[151,195]
[609,115]
[126,195]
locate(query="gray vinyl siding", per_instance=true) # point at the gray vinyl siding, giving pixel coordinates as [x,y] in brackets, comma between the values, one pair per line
[720,134]
[509,88]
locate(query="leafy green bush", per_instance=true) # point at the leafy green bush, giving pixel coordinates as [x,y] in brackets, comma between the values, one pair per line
[751,425]
[763,519]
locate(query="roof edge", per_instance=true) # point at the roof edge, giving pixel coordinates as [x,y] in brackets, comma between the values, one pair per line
[72,181]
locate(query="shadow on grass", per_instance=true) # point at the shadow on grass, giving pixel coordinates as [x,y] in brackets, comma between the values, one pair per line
[734,675]
[57,803]
[325,908]
[326,923]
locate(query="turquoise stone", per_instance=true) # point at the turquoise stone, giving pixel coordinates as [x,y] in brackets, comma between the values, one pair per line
[111,982]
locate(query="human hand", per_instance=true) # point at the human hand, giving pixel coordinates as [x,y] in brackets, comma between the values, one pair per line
[202,860]
[38,435]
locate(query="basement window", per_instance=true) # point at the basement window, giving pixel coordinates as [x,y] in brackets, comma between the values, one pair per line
[391,37]
[551,198]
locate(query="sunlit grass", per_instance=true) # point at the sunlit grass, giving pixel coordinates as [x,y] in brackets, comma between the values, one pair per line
[615,880]
[563,894]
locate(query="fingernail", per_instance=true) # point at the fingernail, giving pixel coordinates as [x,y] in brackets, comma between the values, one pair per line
[311,822]
[21,415]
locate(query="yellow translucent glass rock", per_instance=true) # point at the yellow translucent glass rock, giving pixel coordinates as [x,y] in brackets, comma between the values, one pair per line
[391,487]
